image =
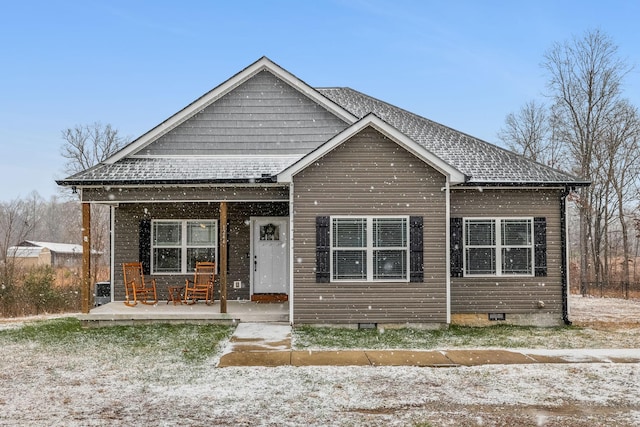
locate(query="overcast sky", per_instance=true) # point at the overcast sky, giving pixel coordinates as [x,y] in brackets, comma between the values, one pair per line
[465,64]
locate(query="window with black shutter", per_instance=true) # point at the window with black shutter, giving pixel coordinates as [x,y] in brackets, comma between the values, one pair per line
[323,249]
[144,245]
[455,242]
[416,249]
[368,249]
[498,247]
[540,246]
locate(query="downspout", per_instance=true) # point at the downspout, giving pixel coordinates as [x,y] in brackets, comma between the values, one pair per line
[291,261]
[564,256]
[448,247]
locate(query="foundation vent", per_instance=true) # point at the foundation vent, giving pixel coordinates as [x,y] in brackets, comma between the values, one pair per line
[367,325]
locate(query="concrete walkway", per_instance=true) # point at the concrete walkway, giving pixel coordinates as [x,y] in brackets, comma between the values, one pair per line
[269,344]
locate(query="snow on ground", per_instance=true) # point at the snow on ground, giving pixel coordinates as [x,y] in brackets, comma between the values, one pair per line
[18,322]
[100,387]
[94,389]
[586,310]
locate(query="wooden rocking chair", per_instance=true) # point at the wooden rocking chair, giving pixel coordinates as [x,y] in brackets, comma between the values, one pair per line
[201,287]
[135,286]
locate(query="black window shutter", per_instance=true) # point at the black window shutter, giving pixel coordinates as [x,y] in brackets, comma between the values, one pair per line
[144,245]
[416,249]
[323,250]
[455,253]
[540,246]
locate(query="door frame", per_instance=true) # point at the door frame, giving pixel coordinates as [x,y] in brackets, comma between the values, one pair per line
[287,241]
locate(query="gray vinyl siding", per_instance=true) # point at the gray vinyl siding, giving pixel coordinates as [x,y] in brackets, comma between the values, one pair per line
[511,294]
[177,194]
[369,175]
[264,115]
[126,239]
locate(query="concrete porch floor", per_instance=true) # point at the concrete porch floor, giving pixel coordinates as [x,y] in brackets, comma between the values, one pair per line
[237,311]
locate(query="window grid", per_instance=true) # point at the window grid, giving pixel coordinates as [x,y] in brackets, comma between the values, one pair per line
[508,252]
[196,240]
[376,249]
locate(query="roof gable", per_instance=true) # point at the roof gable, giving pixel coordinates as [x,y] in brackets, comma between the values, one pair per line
[262,116]
[483,163]
[199,105]
[454,175]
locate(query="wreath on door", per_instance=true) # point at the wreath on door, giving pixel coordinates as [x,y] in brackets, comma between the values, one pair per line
[270,232]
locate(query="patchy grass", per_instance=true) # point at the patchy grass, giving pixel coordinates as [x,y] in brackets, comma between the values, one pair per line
[191,343]
[503,336]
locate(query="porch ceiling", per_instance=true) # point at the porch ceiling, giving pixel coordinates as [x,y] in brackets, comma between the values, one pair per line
[256,192]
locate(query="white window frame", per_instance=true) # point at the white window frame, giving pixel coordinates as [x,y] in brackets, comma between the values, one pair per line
[184,246]
[370,248]
[498,246]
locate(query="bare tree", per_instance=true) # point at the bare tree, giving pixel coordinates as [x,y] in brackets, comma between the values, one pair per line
[88,145]
[59,219]
[529,132]
[622,140]
[585,77]
[636,229]
[84,147]
[18,218]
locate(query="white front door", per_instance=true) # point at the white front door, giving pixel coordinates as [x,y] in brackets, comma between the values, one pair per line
[270,253]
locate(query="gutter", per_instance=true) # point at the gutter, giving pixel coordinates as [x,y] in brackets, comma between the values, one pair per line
[151,182]
[564,257]
[515,184]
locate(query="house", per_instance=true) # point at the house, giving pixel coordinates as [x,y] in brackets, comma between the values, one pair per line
[30,253]
[357,211]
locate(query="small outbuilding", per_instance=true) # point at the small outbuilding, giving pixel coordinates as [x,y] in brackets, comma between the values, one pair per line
[31,253]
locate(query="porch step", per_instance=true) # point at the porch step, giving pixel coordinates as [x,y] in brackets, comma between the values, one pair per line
[267,298]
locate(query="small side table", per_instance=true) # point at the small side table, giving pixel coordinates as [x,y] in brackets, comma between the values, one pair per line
[175,294]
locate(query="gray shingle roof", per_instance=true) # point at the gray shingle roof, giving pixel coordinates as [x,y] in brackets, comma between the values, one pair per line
[482,162]
[199,169]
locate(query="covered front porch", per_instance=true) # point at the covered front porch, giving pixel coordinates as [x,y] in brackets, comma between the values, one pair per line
[116,313]
[244,253]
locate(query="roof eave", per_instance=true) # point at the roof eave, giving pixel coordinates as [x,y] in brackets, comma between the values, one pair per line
[532,184]
[152,182]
